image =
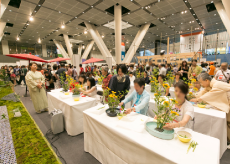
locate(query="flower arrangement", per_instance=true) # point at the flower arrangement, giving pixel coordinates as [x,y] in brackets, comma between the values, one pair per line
[155,72]
[166,111]
[140,75]
[170,78]
[153,83]
[192,93]
[64,83]
[100,79]
[74,88]
[106,94]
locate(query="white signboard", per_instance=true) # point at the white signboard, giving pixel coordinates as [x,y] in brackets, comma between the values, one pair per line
[203,60]
[191,43]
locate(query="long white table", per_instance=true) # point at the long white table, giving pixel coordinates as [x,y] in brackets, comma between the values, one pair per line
[108,142]
[72,110]
[207,121]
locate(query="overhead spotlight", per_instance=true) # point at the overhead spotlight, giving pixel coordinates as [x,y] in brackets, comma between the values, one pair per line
[85,32]
[39,40]
[185,11]
[62,26]
[31,18]
[102,36]
[159,0]
[128,13]
[83,46]
[18,38]
[182,12]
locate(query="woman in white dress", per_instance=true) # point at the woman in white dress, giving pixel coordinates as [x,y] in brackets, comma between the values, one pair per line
[36,84]
[186,114]
[91,89]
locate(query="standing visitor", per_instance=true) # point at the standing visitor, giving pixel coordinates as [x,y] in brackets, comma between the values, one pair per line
[107,76]
[120,82]
[204,69]
[146,77]
[184,70]
[53,75]
[194,70]
[70,71]
[36,84]
[12,75]
[162,70]
[81,69]
[223,74]
[22,75]
[149,73]
[131,77]
[75,76]
[61,72]
[212,69]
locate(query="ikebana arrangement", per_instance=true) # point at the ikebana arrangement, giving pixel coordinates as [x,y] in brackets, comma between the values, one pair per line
[153,84]
[64,83]
[113,101]
[99,80]
[140,75]
[170,78]
[74,88]
[192,93]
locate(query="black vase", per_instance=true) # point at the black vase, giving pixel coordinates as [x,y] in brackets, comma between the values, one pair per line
[112,112]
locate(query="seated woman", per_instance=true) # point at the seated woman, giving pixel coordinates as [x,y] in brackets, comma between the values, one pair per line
[186,108]
[91,89]
[146,77]
[164,92]
[82,80]
[140,98]
[177,78]
[216,93]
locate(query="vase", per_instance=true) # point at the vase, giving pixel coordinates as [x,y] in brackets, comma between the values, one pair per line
[155,129]
[76,97]
[112,112]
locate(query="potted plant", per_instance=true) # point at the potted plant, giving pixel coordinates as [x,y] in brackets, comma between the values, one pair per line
[113,102]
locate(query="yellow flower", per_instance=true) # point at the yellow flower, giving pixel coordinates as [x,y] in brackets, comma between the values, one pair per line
[193,80]
[172,78]
[155,94]
[166,86]
[189,84]
[166,103]
[195,89]
[190,93]
[173,112]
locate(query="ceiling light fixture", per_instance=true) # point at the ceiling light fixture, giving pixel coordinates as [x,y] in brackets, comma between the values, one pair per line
[39,40]
[83,46]
[63,26]
[85,32]
[59,12]
[18,38]
[102,36]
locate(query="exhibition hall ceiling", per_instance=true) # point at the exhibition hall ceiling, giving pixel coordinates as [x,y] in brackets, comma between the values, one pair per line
[168,18]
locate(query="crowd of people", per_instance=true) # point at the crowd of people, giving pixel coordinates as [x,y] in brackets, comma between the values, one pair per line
[211,81]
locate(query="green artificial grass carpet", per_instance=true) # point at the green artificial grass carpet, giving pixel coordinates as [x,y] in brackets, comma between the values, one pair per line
[29,143]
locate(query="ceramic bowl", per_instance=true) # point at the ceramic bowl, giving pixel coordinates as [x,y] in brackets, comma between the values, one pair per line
[184,136]
[201,106]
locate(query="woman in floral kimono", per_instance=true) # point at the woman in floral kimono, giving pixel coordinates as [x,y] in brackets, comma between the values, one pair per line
[36,84]
[217,94]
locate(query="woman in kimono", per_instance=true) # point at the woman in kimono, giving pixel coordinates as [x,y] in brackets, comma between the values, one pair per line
[36,84]
[216,93]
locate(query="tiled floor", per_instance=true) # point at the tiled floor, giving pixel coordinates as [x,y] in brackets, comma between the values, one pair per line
[72,148]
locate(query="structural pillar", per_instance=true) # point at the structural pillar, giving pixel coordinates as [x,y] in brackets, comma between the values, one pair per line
[87,50]
[62,50]
[98,40]
[2,26]
[117,18]
[44,50]
[68,45]
[3,6]
[5,47]
[168,45]
[226,4]
[136,42]
[223,15]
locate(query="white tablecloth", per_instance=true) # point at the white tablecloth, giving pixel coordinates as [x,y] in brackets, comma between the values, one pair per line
[72,110]
[110,143]
[207,121]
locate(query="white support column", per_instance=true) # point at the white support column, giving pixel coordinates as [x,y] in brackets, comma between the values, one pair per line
[44,50]
[98,40]
[2,27]
[136,43]
[87,50]
[3,6]
[5,47]
[68,45]
[226,4]
[62,50]
[223,15]
[77,61]
[117,18]
[79,49]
